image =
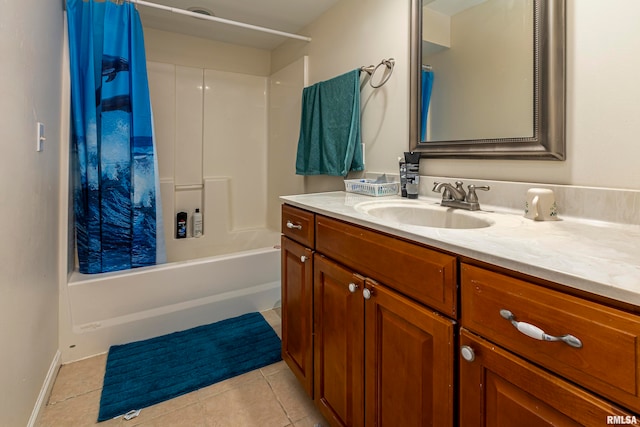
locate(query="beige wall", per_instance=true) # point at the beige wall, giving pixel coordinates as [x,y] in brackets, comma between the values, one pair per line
[351,34]
[602,91]
[173,48]
[30,77]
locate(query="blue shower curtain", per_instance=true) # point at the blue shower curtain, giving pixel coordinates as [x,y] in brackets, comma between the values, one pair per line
[116,187]
[427,85]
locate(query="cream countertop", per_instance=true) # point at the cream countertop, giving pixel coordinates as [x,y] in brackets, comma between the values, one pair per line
[597,257]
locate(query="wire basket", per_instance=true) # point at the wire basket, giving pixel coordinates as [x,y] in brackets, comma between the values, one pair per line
[370,188]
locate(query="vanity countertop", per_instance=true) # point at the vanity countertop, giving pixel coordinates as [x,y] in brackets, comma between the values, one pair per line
[597,257]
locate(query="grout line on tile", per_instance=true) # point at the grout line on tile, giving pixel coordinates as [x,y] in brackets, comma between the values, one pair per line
[291,422]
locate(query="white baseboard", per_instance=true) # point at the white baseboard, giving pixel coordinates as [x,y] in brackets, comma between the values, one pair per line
[45,390]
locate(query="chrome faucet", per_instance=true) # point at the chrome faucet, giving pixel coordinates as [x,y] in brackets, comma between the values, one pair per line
[451,192]
[456,197]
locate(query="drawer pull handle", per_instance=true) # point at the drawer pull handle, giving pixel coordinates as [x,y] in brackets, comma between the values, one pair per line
[303,258]
[534,332]
[353,287]
[292,225]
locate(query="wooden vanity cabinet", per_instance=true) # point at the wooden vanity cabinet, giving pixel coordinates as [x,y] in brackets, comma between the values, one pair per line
[369,328]
[380,357]
[297,293]
[381,361]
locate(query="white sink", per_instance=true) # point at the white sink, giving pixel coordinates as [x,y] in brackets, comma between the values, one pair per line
[423,214]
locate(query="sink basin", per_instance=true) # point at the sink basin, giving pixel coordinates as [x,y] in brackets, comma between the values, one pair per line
[423,214]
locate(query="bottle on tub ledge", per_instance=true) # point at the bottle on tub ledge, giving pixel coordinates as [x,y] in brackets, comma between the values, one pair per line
[197,223]
[181,225]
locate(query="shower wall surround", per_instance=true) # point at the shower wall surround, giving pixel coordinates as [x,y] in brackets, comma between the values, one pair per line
[211,133]
[226,139]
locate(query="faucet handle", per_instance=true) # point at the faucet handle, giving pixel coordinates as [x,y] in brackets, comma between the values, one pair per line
[446,194]
[472,197]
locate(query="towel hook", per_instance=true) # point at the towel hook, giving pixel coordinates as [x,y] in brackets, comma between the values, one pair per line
[388,70]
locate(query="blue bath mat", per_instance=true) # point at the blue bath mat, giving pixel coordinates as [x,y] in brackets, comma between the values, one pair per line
[144,373]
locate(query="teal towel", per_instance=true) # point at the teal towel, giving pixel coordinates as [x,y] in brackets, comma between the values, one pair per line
[329,141]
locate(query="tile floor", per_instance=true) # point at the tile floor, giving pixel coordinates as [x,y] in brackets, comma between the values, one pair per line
[266,397]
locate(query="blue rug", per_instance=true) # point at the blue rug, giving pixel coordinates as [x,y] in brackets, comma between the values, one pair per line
[144,373]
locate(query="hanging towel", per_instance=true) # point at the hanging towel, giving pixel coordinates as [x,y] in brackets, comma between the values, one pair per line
[329,141]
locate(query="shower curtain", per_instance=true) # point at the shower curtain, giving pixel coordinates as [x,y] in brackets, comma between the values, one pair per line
[427,85]
[117,206]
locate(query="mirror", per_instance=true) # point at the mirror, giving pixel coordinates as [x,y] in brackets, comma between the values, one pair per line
[488,79]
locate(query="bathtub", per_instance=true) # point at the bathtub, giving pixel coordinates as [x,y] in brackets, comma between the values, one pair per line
[120,307]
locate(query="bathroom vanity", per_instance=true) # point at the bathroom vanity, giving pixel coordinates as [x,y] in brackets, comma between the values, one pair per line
[387,323]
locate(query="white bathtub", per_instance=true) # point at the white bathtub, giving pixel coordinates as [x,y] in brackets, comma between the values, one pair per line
[119,307]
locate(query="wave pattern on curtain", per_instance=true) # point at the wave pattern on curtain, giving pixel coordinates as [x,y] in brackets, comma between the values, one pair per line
[116,191]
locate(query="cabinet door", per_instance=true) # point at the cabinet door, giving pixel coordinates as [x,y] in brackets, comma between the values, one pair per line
[297,311]
[498,389]
[409,362]
[338,343]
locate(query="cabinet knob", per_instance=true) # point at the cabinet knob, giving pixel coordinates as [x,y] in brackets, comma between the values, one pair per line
[366,293]
[292,225]
[303,258]
[353,287]
[467,353]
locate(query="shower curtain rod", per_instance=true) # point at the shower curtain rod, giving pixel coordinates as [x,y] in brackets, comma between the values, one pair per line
[221,20]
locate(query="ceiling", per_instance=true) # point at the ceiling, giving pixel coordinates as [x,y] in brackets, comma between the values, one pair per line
[283,15]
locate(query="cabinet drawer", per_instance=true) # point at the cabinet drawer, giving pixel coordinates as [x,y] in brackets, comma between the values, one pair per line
[426,275]
[298,225]
[608,360]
